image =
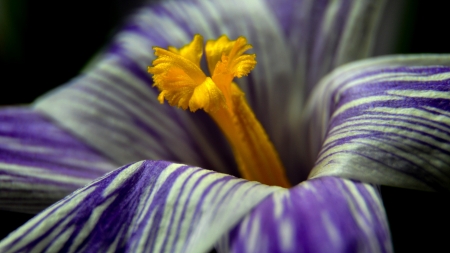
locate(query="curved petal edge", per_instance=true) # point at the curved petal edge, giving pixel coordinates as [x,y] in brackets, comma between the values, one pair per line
[384,121]
[149,206]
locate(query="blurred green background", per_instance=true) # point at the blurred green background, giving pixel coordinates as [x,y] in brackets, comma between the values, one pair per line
[43,44]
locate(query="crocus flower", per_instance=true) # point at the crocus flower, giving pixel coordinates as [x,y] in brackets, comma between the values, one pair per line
[377,121]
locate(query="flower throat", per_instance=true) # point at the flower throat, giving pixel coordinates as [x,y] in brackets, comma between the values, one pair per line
[177,74]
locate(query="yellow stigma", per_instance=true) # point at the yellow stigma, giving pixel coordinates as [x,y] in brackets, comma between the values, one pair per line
[177,74]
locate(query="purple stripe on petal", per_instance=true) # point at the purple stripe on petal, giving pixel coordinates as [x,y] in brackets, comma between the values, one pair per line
[321,215]
[149,206]
[384,121]
[40,163]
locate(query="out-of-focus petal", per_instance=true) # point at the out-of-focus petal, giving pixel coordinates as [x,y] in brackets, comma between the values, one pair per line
[384,121]
[41,163]
[144,207]
[320,215]
[319,35]
[296,42]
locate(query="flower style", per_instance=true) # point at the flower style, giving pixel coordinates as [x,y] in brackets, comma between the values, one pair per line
[376,121]
[178,76]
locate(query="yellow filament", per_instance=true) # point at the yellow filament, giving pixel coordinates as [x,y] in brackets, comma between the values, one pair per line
[177,74]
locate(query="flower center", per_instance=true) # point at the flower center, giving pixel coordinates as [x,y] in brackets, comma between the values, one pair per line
[177,74]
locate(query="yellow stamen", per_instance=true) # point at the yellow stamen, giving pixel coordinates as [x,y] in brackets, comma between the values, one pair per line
[177,74]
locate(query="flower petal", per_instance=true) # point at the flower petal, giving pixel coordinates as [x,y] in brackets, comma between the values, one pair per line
[40,163]
[144,207]
[318,36]
[320,215]
[384,121]
[296,42]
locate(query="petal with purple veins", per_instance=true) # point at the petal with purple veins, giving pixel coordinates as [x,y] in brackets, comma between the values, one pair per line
[41,163]
[384,121]
[143,207]
[320,215]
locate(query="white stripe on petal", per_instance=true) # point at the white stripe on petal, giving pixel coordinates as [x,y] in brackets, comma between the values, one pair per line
[41,163]
[320,215]
[384,121]
[144,207]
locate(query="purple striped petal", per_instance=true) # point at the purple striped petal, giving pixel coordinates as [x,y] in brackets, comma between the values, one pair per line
[144,207]
[320,215]
[296,42]
[41,163]
[384,121]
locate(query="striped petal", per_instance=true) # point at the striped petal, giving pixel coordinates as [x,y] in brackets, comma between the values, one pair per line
[384,121]
[296,42]
[144,207]
[41,163]
[320,215]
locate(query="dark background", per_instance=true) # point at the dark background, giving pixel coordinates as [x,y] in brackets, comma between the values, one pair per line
[45,43]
